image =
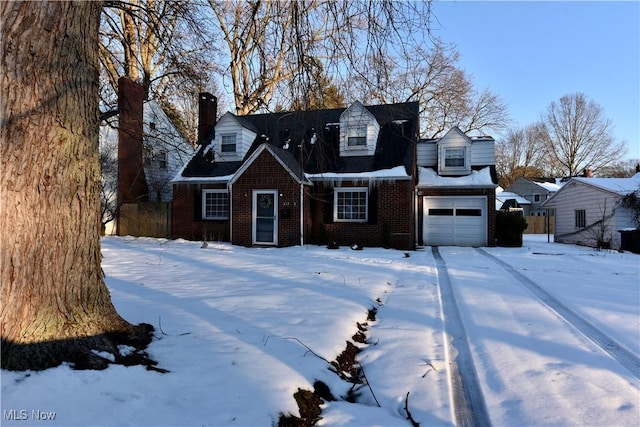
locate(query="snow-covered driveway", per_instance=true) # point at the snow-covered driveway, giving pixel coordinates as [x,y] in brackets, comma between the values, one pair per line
[533,363]
[241,329]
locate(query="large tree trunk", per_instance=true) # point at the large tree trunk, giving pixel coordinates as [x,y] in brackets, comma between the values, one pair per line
[55,306]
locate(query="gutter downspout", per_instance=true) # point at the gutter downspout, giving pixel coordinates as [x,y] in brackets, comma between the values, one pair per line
[301,213]
[415,216]
[230,187]
[548,226]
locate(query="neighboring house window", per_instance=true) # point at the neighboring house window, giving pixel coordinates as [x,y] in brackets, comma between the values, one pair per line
[215,204]
[536,198]
[228,143]
[161,157]
[581,218]
[350,204]
[357,136]
[454,157]
[147,156]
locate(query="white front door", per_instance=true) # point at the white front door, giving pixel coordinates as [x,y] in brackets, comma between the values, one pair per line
[265,218]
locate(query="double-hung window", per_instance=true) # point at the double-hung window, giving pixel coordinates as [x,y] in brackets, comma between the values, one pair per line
[162,159]
[581,218]
[215,204]
[454,157]
[357,136]
[350,204]
[228,143]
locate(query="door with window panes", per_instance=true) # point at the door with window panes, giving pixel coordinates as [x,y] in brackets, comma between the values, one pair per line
[265,218]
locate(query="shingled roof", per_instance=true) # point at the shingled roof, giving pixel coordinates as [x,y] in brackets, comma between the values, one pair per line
[294,132]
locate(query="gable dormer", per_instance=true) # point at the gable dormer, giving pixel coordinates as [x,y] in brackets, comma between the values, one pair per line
[454,153]
[232,138]
[358,131]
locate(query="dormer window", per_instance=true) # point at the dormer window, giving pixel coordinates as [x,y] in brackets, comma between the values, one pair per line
[455,157]
[228,143]
[359,131]
[357,136]
[454,153]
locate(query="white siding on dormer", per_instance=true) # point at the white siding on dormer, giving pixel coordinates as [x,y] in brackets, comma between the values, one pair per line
[456,140]
[228,125]
[427,154]
[357,116]
[483,152]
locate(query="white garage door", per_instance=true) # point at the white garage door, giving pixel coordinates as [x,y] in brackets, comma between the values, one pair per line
[455,221]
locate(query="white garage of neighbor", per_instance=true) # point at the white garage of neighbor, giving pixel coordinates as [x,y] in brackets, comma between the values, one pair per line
[455,220]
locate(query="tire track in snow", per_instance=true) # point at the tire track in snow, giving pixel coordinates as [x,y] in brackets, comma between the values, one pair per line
[625,357]
[468,402]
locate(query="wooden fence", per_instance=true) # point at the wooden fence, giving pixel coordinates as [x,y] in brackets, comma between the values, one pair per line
[540,224]
[149,219]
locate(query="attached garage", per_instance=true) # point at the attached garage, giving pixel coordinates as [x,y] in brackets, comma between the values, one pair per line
[455,220]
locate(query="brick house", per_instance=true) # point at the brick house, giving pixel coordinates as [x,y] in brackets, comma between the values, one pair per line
[337,175]
[355,175]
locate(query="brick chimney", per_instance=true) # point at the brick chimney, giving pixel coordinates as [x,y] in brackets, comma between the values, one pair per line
[587,173]
[132,185]
[207,112]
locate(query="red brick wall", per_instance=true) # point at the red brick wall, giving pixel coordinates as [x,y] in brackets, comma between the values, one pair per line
[207,114]
[266,173]
[391,221]
[132,185]
[390,218]
[187,222]
[491,211]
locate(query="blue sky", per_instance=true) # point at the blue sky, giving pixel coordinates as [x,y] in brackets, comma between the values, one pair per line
[532,53]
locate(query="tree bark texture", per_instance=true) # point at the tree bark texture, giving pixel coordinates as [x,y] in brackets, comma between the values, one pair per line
[55,305]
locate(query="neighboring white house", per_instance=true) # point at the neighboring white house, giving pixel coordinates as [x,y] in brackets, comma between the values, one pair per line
[536,190]
[165,152]
[589,211]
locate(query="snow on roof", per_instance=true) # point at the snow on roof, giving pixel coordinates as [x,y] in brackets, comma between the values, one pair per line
[549,186]
[620,186]
[396,172]
[503,196]
[179,178]
[428,177]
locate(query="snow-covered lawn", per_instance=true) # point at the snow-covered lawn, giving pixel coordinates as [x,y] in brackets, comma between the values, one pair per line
[241,329]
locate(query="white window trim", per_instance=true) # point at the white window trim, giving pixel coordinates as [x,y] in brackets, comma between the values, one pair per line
[355,131]
[464,157]
[350,190]
[454,170]
[235,137]
[204,204]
